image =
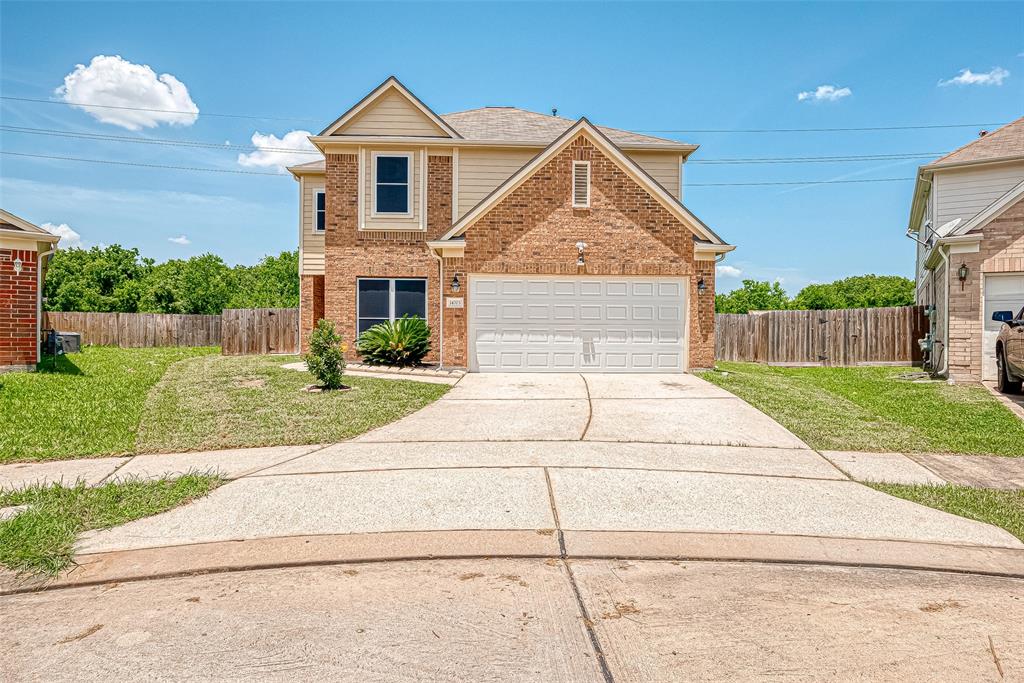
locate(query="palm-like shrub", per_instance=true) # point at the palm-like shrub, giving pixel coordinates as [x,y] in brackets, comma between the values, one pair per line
[402,342]
[325,359]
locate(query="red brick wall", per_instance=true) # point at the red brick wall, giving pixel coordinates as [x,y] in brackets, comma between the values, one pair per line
[351,253]
[311,306]
[627,231]
[19,344]
[1001,251]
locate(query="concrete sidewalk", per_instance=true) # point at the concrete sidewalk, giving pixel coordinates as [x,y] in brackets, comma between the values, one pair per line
[509,455]
[524,619]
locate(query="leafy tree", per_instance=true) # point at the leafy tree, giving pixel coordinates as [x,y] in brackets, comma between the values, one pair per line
[102,279]
[271,283]
[861,291]
[754,295]
[201,284]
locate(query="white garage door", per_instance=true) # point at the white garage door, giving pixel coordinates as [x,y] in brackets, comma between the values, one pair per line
[567,324]
[1002,293]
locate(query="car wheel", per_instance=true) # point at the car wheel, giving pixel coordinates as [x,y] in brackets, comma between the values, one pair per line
[1003,383]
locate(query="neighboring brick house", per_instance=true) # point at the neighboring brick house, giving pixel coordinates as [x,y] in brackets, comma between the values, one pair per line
[967,215]
[24,249]
[528,242]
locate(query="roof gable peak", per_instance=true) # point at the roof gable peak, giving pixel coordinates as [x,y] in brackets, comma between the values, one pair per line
[390,85]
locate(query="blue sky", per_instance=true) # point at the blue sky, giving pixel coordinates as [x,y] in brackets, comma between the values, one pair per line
[648,67]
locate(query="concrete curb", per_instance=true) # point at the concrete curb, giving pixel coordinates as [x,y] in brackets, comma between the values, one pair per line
[299,551]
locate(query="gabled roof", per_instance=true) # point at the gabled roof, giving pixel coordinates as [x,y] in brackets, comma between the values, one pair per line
[389,85]
[608,148]
[10,223]
[990,211]
[514,124]
[1006,142]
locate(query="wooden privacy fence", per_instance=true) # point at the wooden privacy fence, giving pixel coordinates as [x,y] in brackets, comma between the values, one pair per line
[856,336]
[136,330]
[259,330]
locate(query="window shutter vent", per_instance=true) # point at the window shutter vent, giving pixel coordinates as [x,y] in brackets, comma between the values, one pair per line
[581,184]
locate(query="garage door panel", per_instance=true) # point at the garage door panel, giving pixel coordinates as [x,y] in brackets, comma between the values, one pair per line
[529,323]
[1002,293]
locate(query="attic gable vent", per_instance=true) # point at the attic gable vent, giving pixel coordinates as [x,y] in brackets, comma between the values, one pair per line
[581,184]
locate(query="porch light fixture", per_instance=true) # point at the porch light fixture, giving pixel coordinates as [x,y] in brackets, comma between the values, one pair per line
[456,285]
[701,287]
[17,265]
[580,246]
[962,272]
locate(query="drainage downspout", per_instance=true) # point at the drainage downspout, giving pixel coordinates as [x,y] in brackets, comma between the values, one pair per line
[39,296]
[945,307]
[440,308]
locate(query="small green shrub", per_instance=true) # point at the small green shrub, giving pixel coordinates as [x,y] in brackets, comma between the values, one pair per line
[325,360]
[402,342]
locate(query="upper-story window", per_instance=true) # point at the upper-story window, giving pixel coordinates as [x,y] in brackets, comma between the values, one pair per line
[392,185]
[321,211]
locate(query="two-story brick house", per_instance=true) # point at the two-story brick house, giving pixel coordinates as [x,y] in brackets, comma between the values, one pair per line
[967,215]
[528,242]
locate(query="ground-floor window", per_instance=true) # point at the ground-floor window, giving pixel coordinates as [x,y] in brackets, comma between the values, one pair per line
[383,299]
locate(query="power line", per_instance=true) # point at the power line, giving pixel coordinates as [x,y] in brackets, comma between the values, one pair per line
[161,111]
[815,130]
[106,137]
[134,163]
[222,170]
[150,141]
[649,130]
[800,182]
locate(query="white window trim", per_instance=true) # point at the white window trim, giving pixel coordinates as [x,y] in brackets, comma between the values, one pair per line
[316,212]
[575,165]
[391,297]
[373,185]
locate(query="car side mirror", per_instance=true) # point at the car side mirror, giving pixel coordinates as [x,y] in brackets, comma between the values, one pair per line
[1002,316]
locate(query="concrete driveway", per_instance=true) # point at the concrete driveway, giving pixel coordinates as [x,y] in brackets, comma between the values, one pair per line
[604,460]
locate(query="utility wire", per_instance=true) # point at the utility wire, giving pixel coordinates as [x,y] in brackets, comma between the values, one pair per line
[106,137]
[650,130]
[815,130]
[162,111]
[222,170]
[134,163]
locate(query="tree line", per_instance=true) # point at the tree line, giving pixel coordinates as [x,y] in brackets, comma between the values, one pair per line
[861,291]
[114,279]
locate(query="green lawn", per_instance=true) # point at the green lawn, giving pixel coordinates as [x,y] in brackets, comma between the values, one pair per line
[241,401]
[41,538]
[869,409]
[89,404]
[1002,508]
[110,401]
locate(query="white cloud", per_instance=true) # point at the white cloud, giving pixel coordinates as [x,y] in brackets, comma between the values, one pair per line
[180,239]
[995,76]
[265,156]
[824,93]
[728,271]
[116,82]
[69,239]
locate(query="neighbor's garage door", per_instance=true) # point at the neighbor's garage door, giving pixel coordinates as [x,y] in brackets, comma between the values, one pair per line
[567,324]
[1002,293]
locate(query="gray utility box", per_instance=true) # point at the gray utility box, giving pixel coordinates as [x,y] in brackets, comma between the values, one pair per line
[59,343]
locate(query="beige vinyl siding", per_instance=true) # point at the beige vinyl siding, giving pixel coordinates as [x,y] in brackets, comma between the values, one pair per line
[392,114]
[964,192]
[312,241]
[482,170]
[413,222]
[663,167]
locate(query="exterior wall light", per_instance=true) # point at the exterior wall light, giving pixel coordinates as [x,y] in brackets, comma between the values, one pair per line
[962,272]
[701,286]
[456,285]
[17,265]
[580,261]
